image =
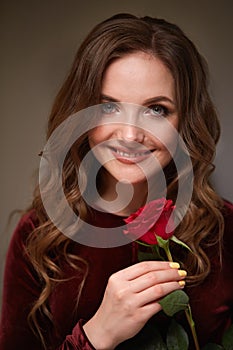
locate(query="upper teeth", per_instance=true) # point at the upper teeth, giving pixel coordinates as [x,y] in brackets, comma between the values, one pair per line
[129,155]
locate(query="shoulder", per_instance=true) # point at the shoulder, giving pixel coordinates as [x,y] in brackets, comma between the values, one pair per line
[19,273]
[227,212]
[228,215]
[25,226]
[28,220]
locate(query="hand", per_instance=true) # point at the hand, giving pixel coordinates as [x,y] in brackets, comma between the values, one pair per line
[130,300]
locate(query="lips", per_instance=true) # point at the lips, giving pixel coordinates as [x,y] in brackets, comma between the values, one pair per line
[130,156]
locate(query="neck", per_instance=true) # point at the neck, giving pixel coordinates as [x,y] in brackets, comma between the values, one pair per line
[124,198]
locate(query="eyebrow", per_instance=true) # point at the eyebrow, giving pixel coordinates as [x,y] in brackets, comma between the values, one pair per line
[146,102]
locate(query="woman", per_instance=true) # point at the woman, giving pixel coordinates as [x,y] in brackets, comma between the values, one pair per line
[62,294]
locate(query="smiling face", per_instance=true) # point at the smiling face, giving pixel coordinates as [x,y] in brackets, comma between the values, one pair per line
[143,80]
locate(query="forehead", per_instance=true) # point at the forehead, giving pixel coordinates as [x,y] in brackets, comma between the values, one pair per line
[136,77]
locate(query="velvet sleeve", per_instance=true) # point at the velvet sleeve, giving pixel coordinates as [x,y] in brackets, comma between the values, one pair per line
[77,340]
[21,288]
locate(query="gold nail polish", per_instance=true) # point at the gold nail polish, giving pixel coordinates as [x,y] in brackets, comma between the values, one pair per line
[174,265]
[182,283]
[182,273]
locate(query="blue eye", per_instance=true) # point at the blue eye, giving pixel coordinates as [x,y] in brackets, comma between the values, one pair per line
[108,108]
[158,110]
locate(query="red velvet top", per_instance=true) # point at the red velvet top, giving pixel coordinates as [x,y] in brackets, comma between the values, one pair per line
[211,302]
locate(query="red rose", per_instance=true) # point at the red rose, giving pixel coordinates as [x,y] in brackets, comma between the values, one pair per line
[150,220]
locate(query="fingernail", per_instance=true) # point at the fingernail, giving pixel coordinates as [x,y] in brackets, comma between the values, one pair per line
[182,283]
[174,265]
[182,273]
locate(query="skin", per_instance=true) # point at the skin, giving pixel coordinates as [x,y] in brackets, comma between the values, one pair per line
[134,152]
[130,300]
[132,294]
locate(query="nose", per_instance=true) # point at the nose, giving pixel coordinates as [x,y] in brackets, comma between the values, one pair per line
[128,129]
[129,133]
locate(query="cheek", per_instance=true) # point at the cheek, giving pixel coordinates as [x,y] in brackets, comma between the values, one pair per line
[167,142]
[170,143]
[95,136]
[170,137]
[100,134]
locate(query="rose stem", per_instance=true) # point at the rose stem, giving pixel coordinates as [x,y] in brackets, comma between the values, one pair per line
[189,317]
[188,311]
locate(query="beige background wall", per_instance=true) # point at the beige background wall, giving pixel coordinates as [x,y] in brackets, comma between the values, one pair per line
[38,42]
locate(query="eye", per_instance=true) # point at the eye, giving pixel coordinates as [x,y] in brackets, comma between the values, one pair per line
[158,111]
[108,108]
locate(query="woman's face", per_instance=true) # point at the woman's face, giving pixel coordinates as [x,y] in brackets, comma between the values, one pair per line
[127,146]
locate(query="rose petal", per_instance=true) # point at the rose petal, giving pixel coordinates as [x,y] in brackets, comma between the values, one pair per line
[150,220]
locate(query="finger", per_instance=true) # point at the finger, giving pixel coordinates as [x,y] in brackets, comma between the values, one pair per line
[155,293]
[149,310]
[136,270]
[156,277]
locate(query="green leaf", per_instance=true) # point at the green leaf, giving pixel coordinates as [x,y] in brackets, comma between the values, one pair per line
[163,243]
[177,338]
[143,244]
[156,251]
[176,240]
[174,302]
[156,346]
[212,346]
[143,256]
[227,340]
[153,254]
[149,338]
[156,342]
[160,346]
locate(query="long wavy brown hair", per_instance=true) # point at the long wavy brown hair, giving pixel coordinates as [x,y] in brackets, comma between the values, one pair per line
[202,225]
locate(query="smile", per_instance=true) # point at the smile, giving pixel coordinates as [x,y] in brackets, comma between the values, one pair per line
[131,157]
